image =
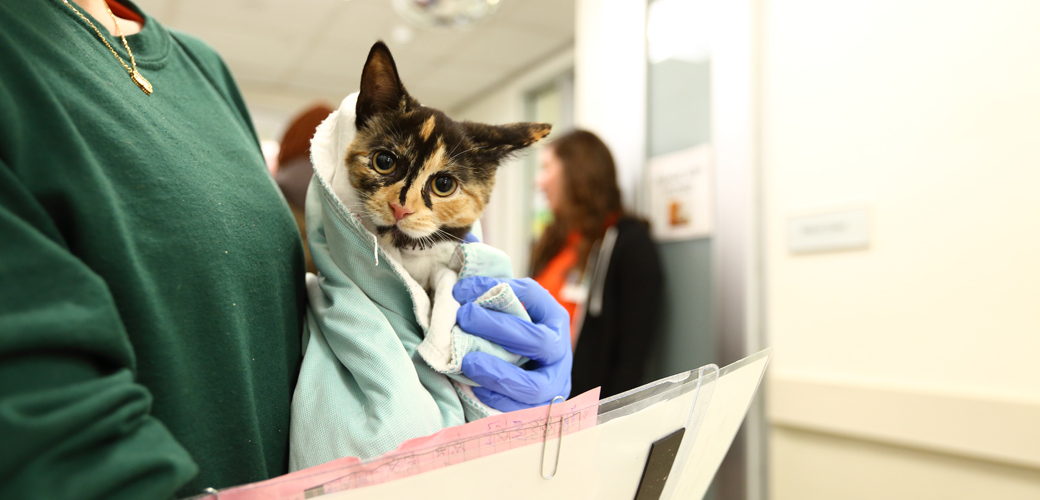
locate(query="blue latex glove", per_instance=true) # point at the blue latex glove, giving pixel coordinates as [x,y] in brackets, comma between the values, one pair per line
[545,339]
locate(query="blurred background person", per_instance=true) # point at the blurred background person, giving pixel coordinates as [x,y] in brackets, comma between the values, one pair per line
[600,263]
[293,169]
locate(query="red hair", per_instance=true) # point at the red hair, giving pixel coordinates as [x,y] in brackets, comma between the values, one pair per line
[297,139]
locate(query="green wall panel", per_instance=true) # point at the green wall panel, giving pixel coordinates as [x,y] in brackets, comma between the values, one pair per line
[686,337]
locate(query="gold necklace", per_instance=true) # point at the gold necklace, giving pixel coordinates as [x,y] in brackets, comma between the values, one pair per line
[145,85]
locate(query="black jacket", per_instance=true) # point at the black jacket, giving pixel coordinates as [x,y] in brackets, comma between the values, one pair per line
[617,333]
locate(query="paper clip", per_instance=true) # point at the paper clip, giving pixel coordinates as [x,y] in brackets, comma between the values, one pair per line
[548,418]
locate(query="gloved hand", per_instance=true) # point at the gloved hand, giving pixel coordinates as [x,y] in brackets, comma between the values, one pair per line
[545,339]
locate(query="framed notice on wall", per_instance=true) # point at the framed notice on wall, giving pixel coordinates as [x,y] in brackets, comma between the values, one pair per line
[681,188]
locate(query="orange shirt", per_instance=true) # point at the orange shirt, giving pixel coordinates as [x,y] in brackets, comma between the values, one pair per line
[556,275]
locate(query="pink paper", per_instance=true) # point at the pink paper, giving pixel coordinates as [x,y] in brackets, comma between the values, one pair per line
[448,447]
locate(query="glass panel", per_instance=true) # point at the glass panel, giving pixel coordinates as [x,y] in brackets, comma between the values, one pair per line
[679,75]
[544,106]
[679,117]
[553,104]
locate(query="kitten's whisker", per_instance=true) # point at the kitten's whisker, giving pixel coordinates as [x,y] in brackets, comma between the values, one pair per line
[355,207]
[466,151]
[396,131]
[457,144]
[449,235]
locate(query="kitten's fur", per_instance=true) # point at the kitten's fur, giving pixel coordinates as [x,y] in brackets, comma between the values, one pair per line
[428,149]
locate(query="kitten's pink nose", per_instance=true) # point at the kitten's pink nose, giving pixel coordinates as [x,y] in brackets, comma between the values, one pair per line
[400,212]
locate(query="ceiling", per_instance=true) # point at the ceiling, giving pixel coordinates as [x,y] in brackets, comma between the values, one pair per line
[286,54]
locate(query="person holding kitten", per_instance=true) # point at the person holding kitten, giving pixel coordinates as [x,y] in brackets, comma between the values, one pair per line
[151,275]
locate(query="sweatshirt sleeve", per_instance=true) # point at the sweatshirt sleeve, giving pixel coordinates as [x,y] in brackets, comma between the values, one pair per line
[73,422]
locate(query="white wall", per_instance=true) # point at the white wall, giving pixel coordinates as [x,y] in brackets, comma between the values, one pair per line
[504,218]
[610,84]
[928,112]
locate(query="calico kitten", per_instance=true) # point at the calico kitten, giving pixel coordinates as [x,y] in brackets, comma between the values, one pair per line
[419,179]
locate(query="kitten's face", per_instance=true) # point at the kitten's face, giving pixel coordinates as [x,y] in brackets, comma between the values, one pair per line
[420,176]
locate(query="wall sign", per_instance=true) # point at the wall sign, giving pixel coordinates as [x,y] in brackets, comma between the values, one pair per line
[681,194]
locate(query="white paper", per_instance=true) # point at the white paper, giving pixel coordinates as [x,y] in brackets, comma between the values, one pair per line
[604,462]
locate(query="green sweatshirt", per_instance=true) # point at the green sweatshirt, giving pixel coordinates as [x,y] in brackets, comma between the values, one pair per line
[151,275]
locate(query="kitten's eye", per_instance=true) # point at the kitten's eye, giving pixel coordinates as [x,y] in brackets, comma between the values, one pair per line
[443,185]
[384,163]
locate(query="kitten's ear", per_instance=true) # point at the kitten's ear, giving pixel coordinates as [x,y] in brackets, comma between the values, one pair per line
[495,142]
[381,88]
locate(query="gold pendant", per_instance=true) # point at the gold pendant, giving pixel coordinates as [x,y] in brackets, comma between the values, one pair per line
[141,82]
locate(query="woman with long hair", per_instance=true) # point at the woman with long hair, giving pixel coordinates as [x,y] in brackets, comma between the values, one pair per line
[599,262]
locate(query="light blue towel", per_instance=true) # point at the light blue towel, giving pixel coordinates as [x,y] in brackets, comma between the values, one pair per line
[363,388]
[481,260]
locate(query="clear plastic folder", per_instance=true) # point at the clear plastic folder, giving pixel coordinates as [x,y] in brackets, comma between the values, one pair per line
[663,440]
